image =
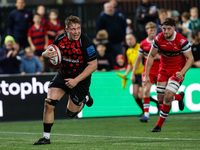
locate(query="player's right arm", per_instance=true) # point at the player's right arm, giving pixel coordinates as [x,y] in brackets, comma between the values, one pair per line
[149,63]
[49,54]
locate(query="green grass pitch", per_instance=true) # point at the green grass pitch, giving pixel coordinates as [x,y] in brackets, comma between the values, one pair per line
[179,132]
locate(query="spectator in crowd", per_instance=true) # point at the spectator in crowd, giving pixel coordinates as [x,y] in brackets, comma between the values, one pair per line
[194,20]
[162,15]
[169,13]
[185,17]
[54,26]
[9,64]
[30,63]
[132,54]
[118,12]
[41,11]
[103,58]
[145,13]
[121,64]
[19,22]
[175,16]
[115,27]
[37,38]
[195,46]
[102,38]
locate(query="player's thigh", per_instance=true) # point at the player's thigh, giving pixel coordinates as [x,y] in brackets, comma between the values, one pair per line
[55,93]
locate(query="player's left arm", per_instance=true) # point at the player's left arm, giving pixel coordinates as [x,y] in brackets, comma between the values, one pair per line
[92,66]
[188,55]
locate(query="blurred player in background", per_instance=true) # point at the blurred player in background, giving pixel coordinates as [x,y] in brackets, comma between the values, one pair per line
[145,47]
[74,76]
[176,59]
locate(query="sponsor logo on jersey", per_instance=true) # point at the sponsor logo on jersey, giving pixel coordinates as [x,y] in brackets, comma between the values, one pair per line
[182,41]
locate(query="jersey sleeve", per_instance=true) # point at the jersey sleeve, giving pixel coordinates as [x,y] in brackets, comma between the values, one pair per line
[141,51]
[91,53]
[155,43]
[186,47]
[88,48]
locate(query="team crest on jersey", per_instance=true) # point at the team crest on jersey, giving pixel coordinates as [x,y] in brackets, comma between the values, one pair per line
[182,41]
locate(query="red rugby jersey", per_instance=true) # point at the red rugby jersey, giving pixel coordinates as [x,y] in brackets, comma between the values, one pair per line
[145,47]
[172,50]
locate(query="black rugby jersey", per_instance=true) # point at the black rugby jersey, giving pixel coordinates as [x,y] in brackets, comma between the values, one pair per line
[75,54]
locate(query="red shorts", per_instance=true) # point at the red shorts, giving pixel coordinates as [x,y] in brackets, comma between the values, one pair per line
[152,76]
[165,74]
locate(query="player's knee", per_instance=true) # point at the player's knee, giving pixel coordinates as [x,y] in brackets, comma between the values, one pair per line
[168,96]
[146,92]
[71,114]
[51,102]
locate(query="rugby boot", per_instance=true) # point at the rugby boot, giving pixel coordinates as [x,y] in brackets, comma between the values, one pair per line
[144,119]
[88,100]
[42,141]
[181,103]
[156,129]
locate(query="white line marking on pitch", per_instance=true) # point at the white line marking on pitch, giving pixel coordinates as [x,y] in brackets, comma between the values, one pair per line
[99,136]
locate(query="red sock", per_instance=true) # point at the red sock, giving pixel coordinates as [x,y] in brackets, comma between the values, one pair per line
[164,113]
[146,104]
[178,97]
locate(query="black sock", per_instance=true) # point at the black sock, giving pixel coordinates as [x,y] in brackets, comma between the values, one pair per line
[140,104]
[47,127]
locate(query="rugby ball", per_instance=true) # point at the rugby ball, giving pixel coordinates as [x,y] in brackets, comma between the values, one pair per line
[58,58]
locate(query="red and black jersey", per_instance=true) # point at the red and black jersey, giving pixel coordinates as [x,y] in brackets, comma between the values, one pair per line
[37,36]
[54,28]
[44,22]
[172,50]
[75,54]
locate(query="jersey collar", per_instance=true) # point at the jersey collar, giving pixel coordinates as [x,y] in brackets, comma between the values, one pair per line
[149,41]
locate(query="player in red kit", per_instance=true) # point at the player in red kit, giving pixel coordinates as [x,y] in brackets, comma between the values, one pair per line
[176,59]
[145,47]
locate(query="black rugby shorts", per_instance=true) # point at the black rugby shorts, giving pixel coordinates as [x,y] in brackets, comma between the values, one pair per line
[77,94]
